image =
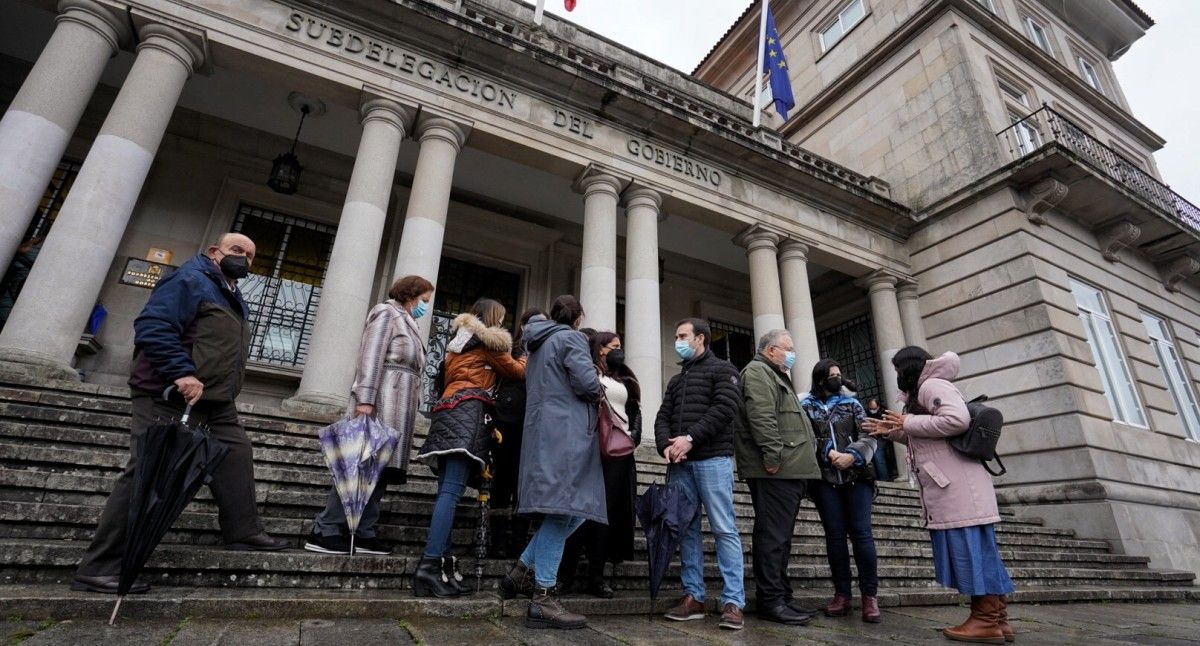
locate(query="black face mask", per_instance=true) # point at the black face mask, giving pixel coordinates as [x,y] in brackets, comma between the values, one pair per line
[235,267]
[833,385]
[615,359]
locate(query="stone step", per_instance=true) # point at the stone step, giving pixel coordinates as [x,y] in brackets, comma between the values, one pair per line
[42,562]
[49,601]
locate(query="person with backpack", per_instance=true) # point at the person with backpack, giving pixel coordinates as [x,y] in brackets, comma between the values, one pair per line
[510,531]
[460,433]
[846,489]
[957,498]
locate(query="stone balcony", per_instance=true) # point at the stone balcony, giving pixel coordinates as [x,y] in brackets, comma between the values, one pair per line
[1065,168]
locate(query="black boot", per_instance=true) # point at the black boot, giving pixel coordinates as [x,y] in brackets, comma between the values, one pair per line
[430,581]
[518,581]
[450,570]
[545,611]
[597,585]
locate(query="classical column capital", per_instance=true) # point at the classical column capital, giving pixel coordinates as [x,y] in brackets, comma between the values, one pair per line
[598,181]
[878,280]
[639,194]
[757,237]
[793,249]
[388,111]
[112,27]
[906,290]
[174,43]
[438,127]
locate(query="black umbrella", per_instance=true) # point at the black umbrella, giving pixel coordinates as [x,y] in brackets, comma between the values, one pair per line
[174,459]
[663,513]
[483,538]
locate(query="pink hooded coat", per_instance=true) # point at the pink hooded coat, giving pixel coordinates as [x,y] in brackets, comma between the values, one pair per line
[956,491]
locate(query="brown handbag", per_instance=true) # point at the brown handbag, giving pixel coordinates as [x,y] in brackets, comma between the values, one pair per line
[614,443]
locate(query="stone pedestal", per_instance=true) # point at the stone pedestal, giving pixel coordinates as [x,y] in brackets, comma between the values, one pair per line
[346,295]
[425,221]
[643,314]
[58,296]
[38,125]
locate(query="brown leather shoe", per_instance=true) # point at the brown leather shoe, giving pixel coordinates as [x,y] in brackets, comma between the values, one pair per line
[981,627]
[545,611]
[839,607]
[1009,634]
[518,582]
[870,610]
[731,618]
[686,610]
[105,584]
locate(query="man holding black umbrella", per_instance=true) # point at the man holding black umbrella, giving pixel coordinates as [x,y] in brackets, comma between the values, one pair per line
[191,340]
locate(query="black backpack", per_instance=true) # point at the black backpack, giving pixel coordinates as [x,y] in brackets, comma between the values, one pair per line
[982,435]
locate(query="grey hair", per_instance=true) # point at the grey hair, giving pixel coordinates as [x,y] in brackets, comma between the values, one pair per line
[771,338]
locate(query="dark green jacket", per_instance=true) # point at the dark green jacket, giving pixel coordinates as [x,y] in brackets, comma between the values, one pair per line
[774,431]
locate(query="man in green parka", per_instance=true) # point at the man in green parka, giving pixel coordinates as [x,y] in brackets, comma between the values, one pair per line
[775,456]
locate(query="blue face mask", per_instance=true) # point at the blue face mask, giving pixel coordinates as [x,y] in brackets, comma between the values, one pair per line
[789,360]
[684,350]
[420,309]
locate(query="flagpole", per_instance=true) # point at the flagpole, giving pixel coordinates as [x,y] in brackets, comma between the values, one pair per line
[758,73]
[541,6]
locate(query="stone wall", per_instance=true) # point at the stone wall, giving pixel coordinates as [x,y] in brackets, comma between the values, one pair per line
[994,288]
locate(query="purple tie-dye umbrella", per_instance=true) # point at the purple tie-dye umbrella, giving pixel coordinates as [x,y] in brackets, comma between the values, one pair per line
[357,450]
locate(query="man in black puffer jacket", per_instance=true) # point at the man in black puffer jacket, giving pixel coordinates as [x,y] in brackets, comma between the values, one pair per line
[694,430]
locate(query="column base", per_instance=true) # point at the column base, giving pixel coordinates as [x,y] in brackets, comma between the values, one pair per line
[316,403]
[34,365]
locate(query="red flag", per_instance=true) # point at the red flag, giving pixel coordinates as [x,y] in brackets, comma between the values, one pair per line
[570,4]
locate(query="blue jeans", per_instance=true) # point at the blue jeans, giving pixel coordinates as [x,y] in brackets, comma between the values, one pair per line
[544,552]
[845,511]
[452,479]
[710,483]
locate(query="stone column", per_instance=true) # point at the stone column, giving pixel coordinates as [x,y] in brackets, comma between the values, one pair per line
[797,308]
[346,290]
[425,221]
[889,338]
[643,312]
[766,300]
[910,315]
[38,125]
[598,279]
[57,298]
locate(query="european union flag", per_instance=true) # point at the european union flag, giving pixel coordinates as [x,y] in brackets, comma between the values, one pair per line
[775,65]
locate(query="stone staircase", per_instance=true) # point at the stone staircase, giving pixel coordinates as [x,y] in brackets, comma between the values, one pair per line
[62,442]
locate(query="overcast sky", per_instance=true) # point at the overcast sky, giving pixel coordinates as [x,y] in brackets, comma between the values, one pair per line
[1160,74]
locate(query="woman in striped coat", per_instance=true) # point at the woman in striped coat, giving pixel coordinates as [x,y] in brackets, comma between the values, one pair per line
[387,385]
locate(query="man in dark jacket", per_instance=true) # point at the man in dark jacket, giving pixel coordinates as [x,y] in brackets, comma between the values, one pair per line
[694,431]
[190,347]
[775,457]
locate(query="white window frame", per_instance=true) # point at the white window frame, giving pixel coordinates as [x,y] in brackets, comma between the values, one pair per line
[990,5]
[841,25]
[1090,74]
[1104,340]
[1179,383]
[1029,137]
[1039,33]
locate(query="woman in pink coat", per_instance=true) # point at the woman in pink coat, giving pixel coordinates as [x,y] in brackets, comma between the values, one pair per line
[957,499]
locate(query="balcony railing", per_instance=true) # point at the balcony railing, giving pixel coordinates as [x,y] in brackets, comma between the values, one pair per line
[1046,126]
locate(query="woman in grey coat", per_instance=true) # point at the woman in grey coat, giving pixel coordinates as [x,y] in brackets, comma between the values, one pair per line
[560,475]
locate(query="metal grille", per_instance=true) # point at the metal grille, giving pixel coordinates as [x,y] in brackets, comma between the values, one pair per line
[460,284]
[52,199]
[733,343]
[1103,159]
[852,344]
[284,285]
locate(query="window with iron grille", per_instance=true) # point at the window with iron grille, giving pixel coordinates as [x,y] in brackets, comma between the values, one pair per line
[852,345]
[732,343]
[52,199]
[285,281]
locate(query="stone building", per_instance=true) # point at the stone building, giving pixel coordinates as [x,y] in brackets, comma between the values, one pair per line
[455,140]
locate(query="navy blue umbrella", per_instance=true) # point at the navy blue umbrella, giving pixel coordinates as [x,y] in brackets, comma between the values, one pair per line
[664,513]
